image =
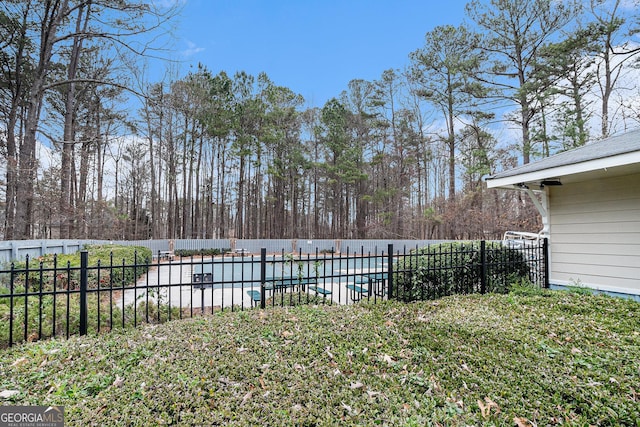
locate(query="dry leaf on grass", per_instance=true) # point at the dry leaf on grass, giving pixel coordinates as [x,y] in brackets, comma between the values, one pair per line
[388,359]
[8,394]
[523,422]
[246,398]
[485,407]
[349,409]
[118,381]
[20,361]
[329,353]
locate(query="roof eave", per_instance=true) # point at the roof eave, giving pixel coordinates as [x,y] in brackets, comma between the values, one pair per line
[565,170]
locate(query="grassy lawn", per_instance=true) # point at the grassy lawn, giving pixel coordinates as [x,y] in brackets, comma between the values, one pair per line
[524,359]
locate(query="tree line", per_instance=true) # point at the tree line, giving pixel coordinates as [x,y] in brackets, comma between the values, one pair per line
[236,155]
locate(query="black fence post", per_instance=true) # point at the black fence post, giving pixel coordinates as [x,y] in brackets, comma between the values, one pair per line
[84,263]
[11,304]
[545,257]
[483,266]
[390,270]
[263,276]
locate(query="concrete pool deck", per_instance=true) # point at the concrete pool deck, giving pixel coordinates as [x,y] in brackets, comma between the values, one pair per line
[172,282]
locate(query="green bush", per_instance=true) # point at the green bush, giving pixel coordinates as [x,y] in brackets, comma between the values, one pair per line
[46,321]
[62,271]
[202,252]
[46,317]
[128,255]
[456,268]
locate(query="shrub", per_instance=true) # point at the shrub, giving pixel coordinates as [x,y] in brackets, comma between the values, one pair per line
[456,268]
[202,252]
[38,314]
[47,317]
[62,271]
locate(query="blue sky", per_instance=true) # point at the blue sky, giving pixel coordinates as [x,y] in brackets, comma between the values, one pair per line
[310,46]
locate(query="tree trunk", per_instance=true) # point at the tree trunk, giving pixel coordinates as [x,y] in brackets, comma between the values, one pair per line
[66,170]
[12,121]
[54,13]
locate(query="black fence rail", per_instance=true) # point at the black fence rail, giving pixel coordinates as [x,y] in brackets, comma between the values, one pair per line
[43,299]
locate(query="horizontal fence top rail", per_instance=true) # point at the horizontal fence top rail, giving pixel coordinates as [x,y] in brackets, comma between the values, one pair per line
[19,249]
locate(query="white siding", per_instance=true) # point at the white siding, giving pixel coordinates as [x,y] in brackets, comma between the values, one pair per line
[595,233]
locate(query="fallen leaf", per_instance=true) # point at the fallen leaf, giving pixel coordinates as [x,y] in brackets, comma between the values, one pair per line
[388,359]
[118,381]
[484,410]
[246,398]
[241,349]
[434,383]
[356,385]
[349,409]
[329,353]
[522,422]
[492,404]
[8,394]
[286,334]
[575,350]
[20,361]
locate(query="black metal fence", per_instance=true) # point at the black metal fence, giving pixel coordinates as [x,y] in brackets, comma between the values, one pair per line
[50,300]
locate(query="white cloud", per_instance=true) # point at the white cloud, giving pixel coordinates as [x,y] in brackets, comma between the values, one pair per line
[191,50]
[167,4]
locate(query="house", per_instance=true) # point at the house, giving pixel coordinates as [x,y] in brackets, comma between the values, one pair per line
[589,200]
